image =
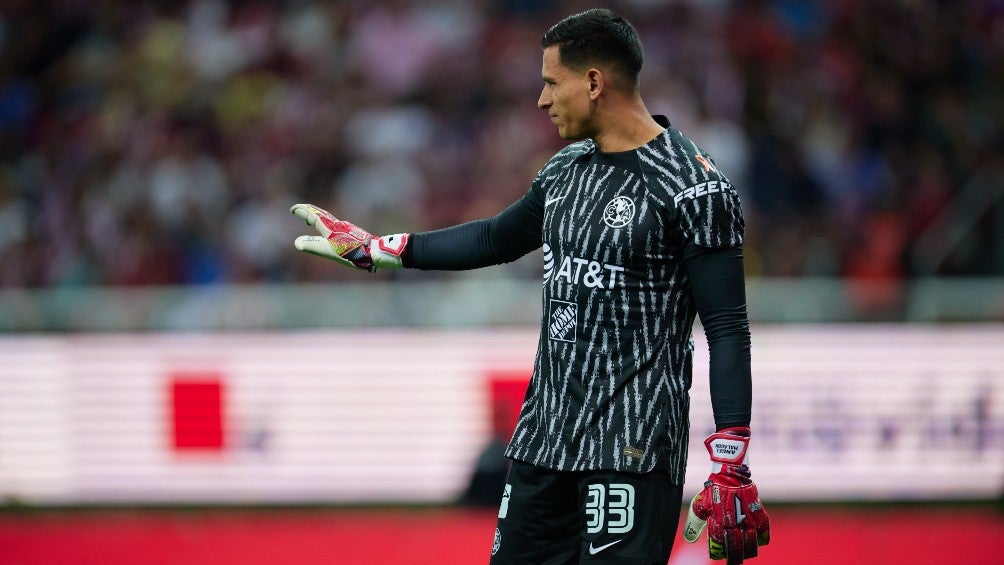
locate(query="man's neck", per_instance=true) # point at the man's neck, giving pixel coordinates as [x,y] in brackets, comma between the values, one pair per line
[628,126]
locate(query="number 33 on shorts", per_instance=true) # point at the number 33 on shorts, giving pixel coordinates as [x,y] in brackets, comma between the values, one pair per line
[610,507]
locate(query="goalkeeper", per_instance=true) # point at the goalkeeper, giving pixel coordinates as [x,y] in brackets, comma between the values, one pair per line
[641,233]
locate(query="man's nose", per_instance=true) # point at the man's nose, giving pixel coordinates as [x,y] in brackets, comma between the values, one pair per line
[543,102]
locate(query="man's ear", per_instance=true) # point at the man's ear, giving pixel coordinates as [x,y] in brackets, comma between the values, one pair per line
[596,82]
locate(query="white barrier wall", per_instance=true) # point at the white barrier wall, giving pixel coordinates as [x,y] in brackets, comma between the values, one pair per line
[840,412]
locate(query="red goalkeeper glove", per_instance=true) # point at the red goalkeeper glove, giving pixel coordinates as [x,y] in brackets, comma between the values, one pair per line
[347,243]
[729,505]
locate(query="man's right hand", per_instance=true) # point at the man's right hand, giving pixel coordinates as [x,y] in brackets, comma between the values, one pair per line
[347,243]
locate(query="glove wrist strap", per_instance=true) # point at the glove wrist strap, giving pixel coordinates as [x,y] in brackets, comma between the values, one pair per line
[728,447]
[387,250]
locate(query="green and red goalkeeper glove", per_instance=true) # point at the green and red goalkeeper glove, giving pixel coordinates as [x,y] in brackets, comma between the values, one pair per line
[347,243]
[729,505]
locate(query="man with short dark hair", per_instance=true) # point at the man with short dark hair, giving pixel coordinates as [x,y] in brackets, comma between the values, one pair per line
[640,232]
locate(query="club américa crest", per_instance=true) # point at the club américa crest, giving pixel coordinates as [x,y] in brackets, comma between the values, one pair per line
[619,212]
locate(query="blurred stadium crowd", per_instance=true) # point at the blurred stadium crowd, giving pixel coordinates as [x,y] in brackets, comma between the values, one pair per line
[147,142]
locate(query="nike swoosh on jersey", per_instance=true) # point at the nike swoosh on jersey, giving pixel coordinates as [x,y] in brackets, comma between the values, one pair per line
[550,201]
[595,550]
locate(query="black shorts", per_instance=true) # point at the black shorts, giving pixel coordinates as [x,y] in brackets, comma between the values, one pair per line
[557,517]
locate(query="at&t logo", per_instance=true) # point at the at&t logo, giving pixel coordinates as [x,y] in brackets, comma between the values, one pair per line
[575,270]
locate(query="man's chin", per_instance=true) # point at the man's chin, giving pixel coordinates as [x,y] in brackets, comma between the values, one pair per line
[570,135]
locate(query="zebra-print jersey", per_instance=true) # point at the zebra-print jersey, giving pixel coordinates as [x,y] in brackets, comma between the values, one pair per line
[611,380]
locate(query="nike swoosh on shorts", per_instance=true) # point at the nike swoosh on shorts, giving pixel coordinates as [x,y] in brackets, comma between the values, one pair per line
[595,550]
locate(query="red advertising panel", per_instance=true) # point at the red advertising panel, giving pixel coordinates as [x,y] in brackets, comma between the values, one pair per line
[197,411]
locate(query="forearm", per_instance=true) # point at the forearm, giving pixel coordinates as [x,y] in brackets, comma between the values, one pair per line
[730,378]
[512,233]
[718,286]
[465,246]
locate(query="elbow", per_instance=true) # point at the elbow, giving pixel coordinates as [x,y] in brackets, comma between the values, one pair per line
[728,325]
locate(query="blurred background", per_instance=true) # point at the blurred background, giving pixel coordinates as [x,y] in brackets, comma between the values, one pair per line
[178,385]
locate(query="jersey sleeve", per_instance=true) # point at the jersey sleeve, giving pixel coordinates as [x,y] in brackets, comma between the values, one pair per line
[503,238]
[718,288]
[710,213]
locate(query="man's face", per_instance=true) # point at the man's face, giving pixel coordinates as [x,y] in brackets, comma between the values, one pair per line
[566,97]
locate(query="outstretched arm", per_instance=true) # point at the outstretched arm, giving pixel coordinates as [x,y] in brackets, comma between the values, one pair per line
[505,237]
[511,234]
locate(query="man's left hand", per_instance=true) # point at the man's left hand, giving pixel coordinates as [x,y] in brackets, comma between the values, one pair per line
[729,505]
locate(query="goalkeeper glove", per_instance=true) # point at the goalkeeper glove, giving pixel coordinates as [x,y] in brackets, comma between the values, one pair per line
[347,243]
[729,505]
